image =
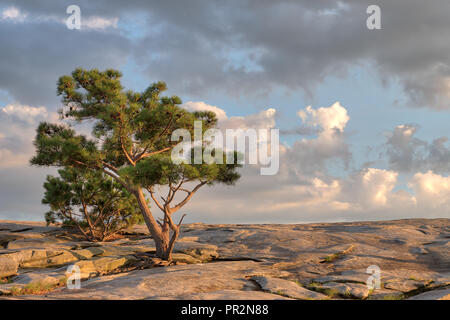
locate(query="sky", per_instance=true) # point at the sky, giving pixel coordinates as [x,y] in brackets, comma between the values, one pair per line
[363,114]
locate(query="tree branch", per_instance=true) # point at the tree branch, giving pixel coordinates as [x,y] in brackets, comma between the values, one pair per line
[126,153]
[110,167]
[119,180]
[152,194]
[144,153]
[148,154]
[188,197]
[181,220]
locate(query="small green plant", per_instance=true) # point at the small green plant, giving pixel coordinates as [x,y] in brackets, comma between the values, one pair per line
[331,292]
[314,285]
[394,297]
[347,294]
[90,201]
[280,293]
[337,255]
[5,280]
[37,288]
[331,257]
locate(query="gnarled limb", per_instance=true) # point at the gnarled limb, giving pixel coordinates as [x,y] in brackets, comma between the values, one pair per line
[188,197]
[176,231]
[152,194]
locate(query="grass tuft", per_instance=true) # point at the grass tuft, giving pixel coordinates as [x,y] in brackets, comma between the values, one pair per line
[38,288]
[337,255]
[394,297]
[5,280]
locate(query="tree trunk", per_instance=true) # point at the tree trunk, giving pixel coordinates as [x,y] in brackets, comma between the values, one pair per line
[174,238]
[163,250]
[160,236]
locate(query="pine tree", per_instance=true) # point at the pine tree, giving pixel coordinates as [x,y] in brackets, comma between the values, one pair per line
[131,143]
[94,203]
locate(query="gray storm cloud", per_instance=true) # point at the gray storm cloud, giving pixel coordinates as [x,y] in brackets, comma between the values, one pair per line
[237,46]
[406,153]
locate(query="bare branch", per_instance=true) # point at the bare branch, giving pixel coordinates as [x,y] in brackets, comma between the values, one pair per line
[172,225]
[181,220]
[170,194]
[152,194]
[175,189]
[188,197]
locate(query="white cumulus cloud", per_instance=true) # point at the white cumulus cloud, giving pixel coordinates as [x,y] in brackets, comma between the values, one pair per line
[99,23]
[310,156]
[201,106]
[13,14]
[332,118]
[431,190]
[25,113]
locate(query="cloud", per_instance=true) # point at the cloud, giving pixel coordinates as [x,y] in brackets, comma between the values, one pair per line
[370,187]
[13,14]
[313,197]
[253,47]
[201,106]
[263,120]
[244,47]
[27,114]
[254,130]
[402,148]
[17,131]
[21,185]
[304,190]
[406,153]
[100,23]
[311,156]
[21,192]
[431,190]
[367,194]
[329,119]
[37,51]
